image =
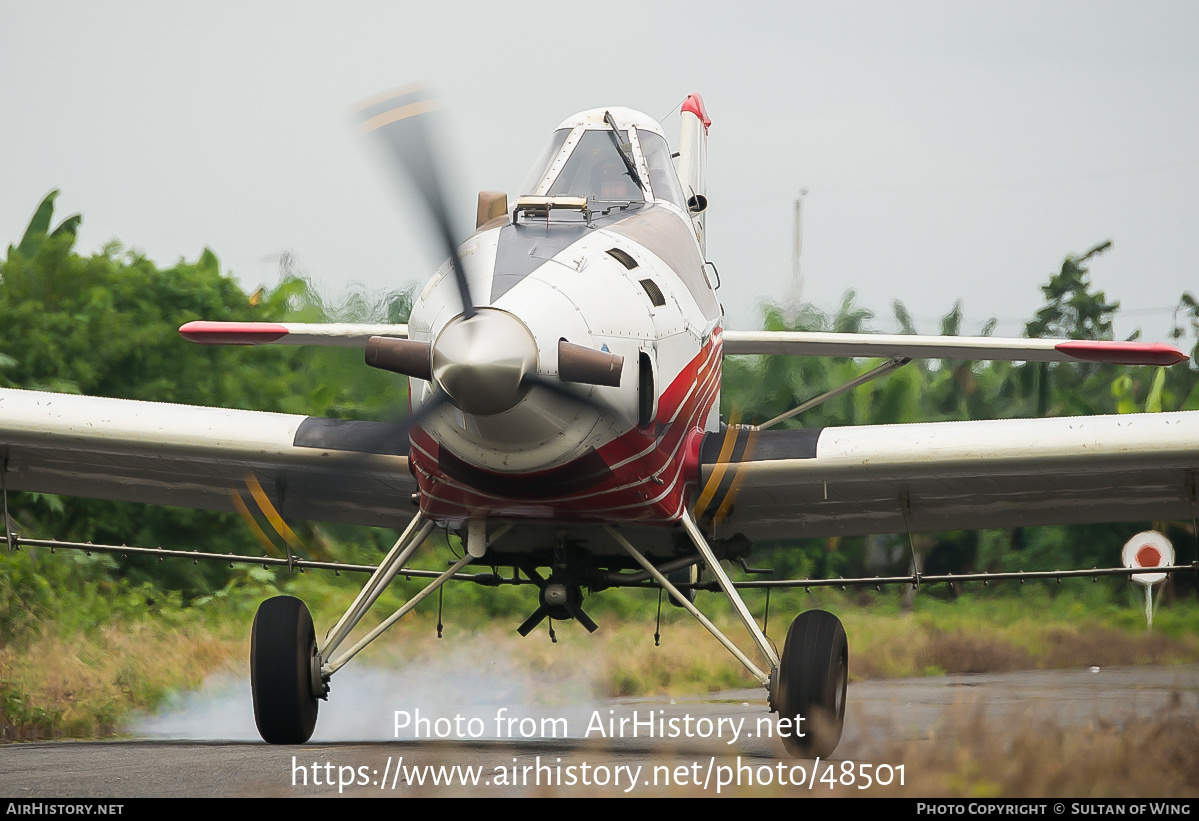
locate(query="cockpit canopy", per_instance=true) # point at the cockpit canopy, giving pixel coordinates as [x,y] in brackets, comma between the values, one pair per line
[611,157]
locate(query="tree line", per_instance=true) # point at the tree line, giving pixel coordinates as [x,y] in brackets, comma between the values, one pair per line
[932,390]
[106,324]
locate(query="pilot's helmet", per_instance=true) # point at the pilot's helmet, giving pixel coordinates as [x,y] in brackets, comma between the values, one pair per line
[610,180]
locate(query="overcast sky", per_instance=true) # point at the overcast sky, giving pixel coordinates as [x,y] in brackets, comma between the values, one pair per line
[949,150]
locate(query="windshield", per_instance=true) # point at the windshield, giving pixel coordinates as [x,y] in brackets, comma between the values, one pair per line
[592,167]
[541,166]
[596,171]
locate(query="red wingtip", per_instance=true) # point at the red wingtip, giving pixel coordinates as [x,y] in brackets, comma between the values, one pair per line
[232,333]
[1122,353]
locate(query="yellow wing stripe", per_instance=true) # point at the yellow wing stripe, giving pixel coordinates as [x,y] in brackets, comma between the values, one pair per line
[269,511]
[726,452]
[263,539]
[746,455]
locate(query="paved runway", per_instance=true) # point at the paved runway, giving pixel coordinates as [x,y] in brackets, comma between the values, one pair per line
[714,745]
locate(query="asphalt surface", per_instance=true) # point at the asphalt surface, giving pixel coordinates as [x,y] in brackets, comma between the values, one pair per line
[694,746]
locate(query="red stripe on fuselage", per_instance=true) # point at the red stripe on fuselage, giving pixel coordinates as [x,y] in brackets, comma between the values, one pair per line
[644,481]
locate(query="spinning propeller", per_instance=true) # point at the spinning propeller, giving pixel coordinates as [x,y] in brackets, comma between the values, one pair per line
[485,360]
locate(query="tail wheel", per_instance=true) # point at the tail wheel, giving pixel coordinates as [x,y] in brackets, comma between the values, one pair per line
[812,678]
[282,646]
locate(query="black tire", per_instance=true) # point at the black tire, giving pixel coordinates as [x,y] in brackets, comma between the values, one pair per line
[282,644]
[813,675]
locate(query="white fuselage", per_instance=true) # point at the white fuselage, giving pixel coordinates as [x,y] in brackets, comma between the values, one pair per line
[628,280]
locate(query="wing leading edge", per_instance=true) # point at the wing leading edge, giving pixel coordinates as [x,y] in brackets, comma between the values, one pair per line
[950,475]
[186,456]
[794,343]
[767,484]
[330,335]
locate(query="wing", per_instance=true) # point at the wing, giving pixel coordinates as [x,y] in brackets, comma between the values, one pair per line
[950,475]
[950,347]
[328,334]
[310,468]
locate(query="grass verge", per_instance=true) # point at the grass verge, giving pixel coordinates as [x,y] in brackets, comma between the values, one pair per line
[63,677]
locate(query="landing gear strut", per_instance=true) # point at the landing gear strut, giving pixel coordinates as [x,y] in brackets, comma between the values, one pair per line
[282,651]
[288,672]
[811,679]
[808,681]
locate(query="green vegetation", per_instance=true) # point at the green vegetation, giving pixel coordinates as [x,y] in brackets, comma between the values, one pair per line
[83,641]
[760,388]
[101,654]
[107,325]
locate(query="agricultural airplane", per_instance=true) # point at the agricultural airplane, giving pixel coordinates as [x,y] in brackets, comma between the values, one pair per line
[564,372]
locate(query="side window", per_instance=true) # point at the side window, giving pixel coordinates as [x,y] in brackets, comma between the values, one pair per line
[542,164]
[662,177]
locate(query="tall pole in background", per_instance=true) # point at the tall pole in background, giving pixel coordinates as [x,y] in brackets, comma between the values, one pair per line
[794,296]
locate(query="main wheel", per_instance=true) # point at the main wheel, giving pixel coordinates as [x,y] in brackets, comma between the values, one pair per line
[282,645]
[812,677]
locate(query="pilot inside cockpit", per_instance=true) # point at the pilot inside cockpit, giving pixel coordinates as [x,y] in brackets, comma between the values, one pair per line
[587,162]
[610,181]
[596,171]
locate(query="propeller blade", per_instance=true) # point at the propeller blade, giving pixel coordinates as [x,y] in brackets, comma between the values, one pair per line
[555,387]
[434,404]
[400,118]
